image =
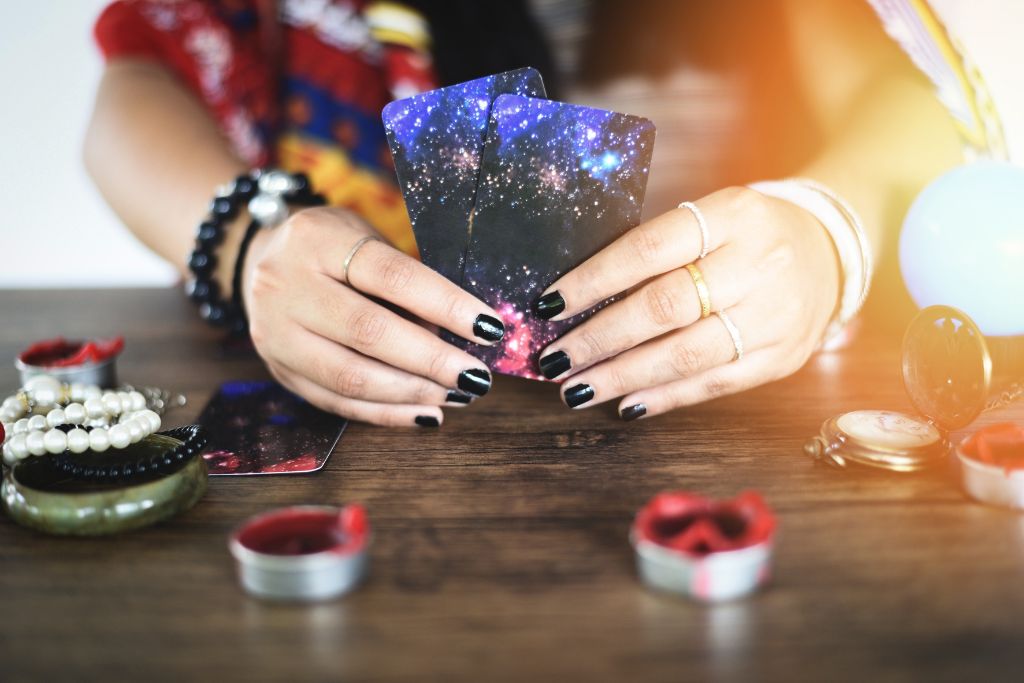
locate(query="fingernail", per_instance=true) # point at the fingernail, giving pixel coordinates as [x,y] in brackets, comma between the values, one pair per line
[578,395]
[427,421]
[549,305]
[630,413]
[554,364]
[456,396]
[488,328]
[475,381]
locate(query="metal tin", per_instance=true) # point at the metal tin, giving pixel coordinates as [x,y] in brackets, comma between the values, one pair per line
[273,561]
[712,578]
[990,483]
[708,575]
[102,373]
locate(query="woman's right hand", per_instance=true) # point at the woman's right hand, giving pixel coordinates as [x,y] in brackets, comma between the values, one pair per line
[323,337]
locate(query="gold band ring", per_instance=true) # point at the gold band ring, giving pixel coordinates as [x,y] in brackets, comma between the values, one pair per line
[351,254]
[702,290]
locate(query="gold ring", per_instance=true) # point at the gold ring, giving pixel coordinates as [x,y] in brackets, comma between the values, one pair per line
[351,254]
[702,290]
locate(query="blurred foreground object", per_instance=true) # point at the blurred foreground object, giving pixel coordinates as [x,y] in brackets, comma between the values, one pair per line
[962,245]
[992,465]
[704,549]
[303,553]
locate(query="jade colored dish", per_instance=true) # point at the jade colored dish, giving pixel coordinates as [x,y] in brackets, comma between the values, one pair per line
[34,496]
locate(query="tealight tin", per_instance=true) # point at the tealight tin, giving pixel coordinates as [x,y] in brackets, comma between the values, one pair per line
[999,482]
[72,362]
[302,553]
[706,550]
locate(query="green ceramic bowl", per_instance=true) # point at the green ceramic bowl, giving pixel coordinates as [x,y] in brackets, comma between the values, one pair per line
[35,497]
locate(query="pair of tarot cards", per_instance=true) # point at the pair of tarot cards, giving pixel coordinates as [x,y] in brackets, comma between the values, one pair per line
[507,191]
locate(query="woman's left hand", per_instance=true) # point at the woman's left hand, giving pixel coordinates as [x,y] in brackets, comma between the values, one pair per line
[770,267]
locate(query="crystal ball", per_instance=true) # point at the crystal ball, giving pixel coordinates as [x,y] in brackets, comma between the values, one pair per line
[962,245]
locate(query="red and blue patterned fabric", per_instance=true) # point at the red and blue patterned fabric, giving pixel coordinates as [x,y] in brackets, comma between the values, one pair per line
[296,83]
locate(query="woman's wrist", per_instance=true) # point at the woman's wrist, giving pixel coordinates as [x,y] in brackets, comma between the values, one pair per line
[260,199]
[234,232]
[846,231]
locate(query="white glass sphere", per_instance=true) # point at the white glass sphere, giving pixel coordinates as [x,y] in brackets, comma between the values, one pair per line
[962,245]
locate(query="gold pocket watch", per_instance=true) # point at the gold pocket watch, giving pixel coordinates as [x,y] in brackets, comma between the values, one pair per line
[948,376]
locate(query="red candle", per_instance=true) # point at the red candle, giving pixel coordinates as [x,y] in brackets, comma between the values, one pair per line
[61,353]
[698,526]
[303,552]
[1000,444]
[306,530]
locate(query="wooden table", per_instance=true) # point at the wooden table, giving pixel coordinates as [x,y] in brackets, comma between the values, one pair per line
[501,550]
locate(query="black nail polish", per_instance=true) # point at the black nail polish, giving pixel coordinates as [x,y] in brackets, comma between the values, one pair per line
[554,364]
[427,421]
[456,396]
[549,305]
[578,395]
[488,328]
[475,381]
[630,413]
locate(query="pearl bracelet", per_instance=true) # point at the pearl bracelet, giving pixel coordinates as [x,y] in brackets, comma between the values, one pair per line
[72,425]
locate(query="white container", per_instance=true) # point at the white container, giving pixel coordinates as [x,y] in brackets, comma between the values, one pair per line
[991,484]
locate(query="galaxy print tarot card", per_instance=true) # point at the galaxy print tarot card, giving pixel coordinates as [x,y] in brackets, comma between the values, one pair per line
[262,428]
[558,182]
[436,139]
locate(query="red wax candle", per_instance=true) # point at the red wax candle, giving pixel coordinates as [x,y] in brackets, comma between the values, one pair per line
[999,444]
[303,553]
[61,353]
[306,530]
[698,526]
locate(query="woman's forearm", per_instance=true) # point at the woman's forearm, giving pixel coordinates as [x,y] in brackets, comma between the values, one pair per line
[897,140]
[156,156]
[887,134]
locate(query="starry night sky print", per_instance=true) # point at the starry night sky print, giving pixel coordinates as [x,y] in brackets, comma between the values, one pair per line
[436,140]
[558,182]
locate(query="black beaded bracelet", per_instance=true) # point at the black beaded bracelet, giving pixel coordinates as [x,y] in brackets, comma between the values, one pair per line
[267,194]
[117,467]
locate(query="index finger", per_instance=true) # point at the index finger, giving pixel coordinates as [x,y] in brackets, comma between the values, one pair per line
[658,246]
[379,270]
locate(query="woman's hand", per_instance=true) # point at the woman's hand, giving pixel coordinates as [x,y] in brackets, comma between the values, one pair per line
[323,337]
[770,267]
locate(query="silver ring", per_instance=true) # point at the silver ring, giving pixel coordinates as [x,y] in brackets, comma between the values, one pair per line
[702,224]
[351,254]
[734,332]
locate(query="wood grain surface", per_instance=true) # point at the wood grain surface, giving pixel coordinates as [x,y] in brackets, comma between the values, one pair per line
[500,542]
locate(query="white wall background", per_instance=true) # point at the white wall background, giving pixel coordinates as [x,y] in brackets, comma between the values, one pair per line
[55,230]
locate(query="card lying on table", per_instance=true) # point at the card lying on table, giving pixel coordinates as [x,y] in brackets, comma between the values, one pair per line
[262,428]
[436,139]
[558,182]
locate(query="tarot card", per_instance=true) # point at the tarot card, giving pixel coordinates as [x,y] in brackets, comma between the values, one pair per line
[558,182]
[262,428]
[436,139]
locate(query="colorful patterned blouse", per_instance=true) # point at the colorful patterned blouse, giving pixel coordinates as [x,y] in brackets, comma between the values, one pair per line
[304,92]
